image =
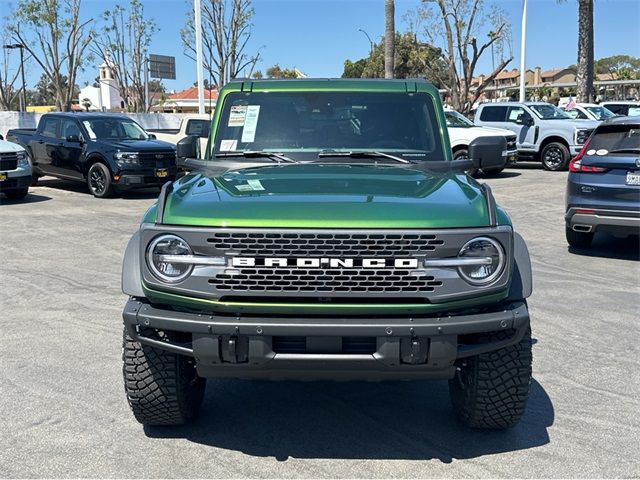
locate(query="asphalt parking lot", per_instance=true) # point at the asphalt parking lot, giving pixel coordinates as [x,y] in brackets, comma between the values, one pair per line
[63,410]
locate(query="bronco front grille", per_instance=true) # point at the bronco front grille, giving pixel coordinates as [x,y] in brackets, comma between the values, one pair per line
[8,161]
[291,244]
[295,280]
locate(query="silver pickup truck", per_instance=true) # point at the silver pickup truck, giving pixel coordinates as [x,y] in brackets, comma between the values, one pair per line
[543,131]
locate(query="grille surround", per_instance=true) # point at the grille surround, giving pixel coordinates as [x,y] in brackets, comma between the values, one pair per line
[203,283]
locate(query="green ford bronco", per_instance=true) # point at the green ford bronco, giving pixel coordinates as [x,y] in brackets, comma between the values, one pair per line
[328,234]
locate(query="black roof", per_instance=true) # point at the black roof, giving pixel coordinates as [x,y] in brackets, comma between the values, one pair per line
[89,115]
[622,121]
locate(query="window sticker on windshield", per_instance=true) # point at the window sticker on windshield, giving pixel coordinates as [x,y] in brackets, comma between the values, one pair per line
[237,115]
[87,125]
[244,188]
[250,123]
[255,184]
[228,145]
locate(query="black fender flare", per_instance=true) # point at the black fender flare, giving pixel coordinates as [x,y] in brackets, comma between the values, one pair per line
[131,273]
[521,278]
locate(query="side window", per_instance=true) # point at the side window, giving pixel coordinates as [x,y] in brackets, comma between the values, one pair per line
[617,109]
[50,127]
[493,114]
[199,128]
[515,112]
[69,128]
[634,111]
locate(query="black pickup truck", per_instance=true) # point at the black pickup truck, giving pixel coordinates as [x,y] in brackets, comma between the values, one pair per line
[109,152]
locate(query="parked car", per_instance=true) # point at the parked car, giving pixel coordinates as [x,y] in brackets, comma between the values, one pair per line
[629,108]
[543,131]
[588,111]
[198,125]
[331,236]
[108,152]
[603,187]
[463,131]
[15,170]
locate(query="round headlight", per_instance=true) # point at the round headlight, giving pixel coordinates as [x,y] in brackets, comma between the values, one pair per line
[167,271]
[482,248]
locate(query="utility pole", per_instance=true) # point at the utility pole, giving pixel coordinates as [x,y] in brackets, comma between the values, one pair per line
[23,95]
[146,85]
[523,48]
[197,14]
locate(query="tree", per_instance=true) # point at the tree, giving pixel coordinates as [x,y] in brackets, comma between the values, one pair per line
[123,45]
[54,36]
[584,76]
[278,72]
[226,30]
[620,67]
[412,59]
[455,27]
[390,36]
[44,92]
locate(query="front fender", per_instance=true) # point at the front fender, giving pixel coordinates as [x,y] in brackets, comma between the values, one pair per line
[131,276]
[521,279]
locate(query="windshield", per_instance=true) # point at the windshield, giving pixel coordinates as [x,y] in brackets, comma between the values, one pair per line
[114,129]
[600,113]
[548,112]
[305,124]
[456,119]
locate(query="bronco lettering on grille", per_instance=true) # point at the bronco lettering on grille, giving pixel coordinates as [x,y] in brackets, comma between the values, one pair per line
[320,262]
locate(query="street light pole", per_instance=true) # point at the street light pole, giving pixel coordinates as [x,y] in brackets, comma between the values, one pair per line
[523,47]
[368,38]
[23,96]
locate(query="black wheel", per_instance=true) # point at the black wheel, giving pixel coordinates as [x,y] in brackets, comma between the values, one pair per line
[492,172]
[555,156]
[34,179]
[491,390]
[578,239]
[99,180]
[162,388]
[463,154]
[17,194]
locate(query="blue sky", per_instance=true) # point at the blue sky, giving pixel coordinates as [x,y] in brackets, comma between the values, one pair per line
[316,36]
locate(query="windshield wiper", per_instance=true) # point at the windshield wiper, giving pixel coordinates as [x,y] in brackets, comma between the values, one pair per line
[361,154]
[626,150]
[256,154]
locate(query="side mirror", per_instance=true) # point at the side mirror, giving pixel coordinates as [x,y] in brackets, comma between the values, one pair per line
[525,120]
[73,139]
[488,152]
[152,136]
[188,147]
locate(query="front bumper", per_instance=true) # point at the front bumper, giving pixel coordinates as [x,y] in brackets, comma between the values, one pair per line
[586,220]
[128,180]
[16,180]
[255,346]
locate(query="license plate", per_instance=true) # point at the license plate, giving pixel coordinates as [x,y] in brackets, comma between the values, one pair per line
[3,176]
[633,178]
[162,172]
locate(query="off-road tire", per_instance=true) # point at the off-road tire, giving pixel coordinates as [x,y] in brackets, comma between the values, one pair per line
[17,194]
[578,239]
[99,180]
[162,388]
[490,390]
[34,179]
[555,157]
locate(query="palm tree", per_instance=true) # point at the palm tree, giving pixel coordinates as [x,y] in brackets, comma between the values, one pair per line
[389,38]
[584,76]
